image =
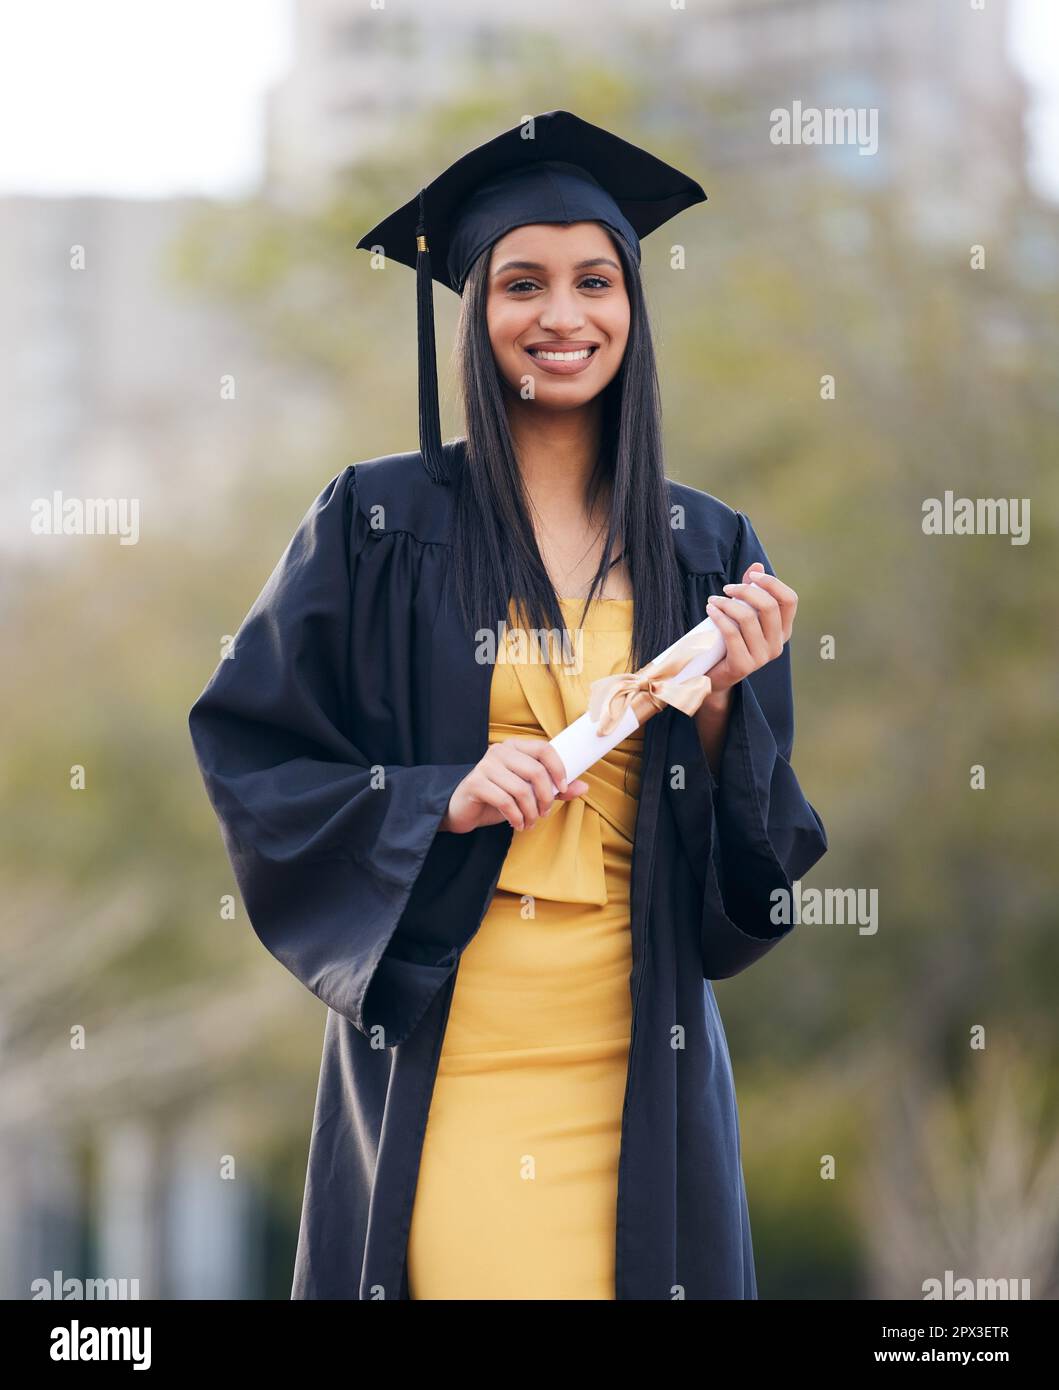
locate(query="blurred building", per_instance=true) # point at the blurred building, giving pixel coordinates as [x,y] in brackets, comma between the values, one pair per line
[951,104]
[111,375]
[361,79]
[119,1154]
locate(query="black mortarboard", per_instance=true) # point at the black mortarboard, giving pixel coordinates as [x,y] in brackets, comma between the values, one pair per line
[550,168]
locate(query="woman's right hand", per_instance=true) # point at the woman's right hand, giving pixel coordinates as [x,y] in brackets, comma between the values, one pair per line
[513,782]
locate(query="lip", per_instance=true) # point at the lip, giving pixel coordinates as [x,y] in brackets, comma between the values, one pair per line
[562,368]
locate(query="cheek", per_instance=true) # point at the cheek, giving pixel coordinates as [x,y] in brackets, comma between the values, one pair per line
[504,327]
[619,325]
[505,322]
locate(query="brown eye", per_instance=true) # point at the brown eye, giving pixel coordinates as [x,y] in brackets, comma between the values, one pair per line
[602,283]
[519,285]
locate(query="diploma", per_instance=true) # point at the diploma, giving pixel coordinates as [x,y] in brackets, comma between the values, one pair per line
[620,704]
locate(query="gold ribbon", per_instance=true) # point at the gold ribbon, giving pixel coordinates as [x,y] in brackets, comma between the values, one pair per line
[650,688]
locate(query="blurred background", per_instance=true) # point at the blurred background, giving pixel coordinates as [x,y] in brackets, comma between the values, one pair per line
[185,322]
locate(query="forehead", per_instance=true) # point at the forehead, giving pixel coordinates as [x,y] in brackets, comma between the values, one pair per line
[554,244]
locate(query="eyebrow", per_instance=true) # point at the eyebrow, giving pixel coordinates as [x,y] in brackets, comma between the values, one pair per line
[536,265]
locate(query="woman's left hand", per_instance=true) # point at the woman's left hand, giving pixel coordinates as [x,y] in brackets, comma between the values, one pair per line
[755,621]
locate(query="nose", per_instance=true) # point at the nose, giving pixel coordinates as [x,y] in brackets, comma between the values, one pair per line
[562,313]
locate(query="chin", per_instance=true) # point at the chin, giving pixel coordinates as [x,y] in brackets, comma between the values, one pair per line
[557,394]
[561,402]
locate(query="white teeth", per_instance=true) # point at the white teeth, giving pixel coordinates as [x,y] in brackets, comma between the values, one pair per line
[561,356]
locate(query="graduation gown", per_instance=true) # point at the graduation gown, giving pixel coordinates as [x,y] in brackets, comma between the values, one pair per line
[330,741]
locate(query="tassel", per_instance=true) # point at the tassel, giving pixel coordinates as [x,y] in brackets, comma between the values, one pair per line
[429,410]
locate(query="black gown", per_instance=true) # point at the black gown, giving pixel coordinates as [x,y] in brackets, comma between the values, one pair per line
[330,742]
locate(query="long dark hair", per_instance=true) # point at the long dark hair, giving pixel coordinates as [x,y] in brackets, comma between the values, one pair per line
[495,549]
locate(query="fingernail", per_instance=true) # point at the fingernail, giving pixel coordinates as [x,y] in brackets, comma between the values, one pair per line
[726,587]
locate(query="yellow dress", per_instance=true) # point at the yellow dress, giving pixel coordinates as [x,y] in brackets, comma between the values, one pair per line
[517,1190]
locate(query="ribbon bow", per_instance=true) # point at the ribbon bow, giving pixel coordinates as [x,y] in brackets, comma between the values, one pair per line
[650,688]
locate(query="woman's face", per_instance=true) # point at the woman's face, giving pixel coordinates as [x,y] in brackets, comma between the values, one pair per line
[557,289]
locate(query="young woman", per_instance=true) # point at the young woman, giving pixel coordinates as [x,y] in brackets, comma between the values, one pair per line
[525,1090]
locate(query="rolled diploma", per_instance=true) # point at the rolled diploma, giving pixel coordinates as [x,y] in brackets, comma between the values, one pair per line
[579,746]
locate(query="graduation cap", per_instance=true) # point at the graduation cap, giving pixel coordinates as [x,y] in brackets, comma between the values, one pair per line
[549,168]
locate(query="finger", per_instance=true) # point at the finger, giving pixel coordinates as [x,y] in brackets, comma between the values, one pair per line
[577,788]
[534,771]
[785,597]
[748,620]
[772,584]
[551,766]
[554,769]
[768,609]
[491,795]
[521,790]
[737,657]
[554,765]
[540,748]
[493,771]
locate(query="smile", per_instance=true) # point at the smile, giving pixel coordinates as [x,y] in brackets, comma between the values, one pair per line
[542,355]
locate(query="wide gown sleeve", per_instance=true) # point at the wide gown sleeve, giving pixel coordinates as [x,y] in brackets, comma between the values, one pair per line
[327,844]
[766,834]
